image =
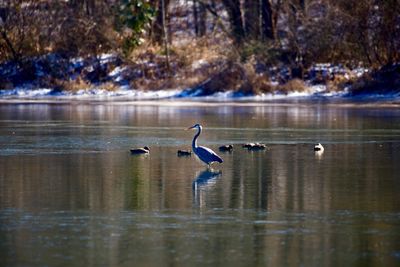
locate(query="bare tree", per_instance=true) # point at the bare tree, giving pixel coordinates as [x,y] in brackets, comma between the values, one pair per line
[202,26]
[200,18]
[235,18]
[252,18]
[258,19]
[158,25]
[268,27]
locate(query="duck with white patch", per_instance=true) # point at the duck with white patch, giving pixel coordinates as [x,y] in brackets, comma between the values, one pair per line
[318,147]
[141,150]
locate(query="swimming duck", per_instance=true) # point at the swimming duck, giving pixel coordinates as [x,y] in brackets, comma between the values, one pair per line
[141,150]
[182,153]
[226,148]
[248,145]
[318,147]
[257,146]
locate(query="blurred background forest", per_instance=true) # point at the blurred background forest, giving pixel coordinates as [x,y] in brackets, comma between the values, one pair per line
[250,46]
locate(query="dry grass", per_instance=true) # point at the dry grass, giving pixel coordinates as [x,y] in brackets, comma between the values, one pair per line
[294,85]
[82,84]
[75,85]
[109,86]
[257,82]
[67,85]
[261,84]
[236,77]
[229,78]
[190,65]
[154,84]
[340,81]
[200,49]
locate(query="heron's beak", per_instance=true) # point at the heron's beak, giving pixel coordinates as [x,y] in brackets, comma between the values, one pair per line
[190,128]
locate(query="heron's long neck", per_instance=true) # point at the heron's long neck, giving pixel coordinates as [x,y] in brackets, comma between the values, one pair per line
[194,142]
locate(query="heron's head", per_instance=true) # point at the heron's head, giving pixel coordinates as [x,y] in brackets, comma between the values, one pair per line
[198,126]
[147,148]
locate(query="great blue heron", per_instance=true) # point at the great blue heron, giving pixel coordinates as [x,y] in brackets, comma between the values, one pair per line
[142,150]
[318,147]
[203,153]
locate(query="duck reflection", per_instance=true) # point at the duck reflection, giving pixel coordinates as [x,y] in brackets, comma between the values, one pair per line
[204,180]
[319,154]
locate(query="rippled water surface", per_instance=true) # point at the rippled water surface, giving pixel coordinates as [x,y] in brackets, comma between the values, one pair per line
[72,195]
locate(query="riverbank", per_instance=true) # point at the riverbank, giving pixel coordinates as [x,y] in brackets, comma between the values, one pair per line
[110,77]
[352,103]
[123,95]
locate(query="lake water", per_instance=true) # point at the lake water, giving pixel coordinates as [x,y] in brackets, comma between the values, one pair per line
[72,195]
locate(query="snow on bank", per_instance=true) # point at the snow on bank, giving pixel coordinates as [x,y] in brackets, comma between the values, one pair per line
[125,93]
[108,68]
[85,94]
[109,71]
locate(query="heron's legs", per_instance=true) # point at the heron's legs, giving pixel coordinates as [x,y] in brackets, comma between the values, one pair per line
[209,167]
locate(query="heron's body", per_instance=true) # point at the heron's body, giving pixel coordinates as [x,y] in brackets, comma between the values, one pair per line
[205,154]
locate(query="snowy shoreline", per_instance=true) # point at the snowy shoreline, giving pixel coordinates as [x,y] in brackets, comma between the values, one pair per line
[107,78]
[316,94]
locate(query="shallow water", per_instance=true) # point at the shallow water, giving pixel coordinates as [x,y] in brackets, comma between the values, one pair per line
[72,195]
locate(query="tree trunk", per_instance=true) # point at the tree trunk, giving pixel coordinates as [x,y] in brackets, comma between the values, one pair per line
[85,6]
[235,17]
[252,18]
[202,20]
[90,6]
[268,27]
[302,4]
[214,20]
[195,18]
[158,25]
[76,3]
[165,34]
[15,54]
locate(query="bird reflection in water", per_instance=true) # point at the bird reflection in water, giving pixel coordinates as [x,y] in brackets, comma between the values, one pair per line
[204,181]
[319,151]
[319,154]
